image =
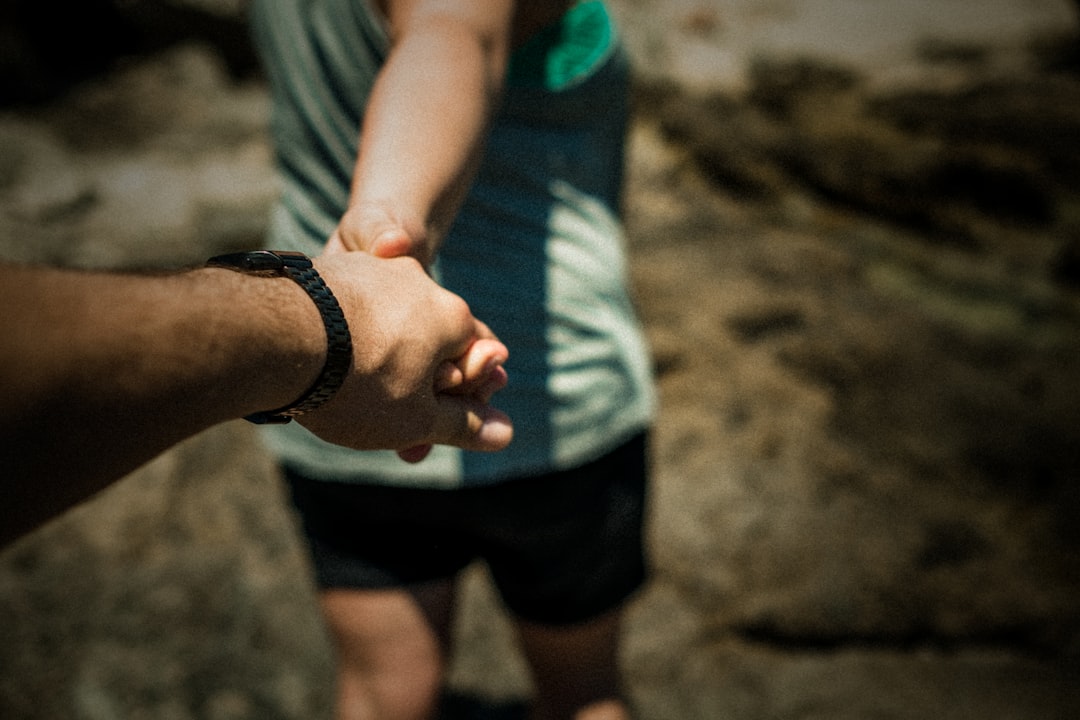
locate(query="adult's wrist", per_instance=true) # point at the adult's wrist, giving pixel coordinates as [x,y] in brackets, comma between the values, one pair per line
[270,344]
[298,268]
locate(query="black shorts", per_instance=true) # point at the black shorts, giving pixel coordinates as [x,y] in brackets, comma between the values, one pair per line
[562,548]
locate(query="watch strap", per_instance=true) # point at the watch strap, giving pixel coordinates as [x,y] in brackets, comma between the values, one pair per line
[299,268]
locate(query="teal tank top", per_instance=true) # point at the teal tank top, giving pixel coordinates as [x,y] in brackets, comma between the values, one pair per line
[566,51]
[537,249]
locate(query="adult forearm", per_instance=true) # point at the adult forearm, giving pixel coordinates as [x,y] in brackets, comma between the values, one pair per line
[100,373]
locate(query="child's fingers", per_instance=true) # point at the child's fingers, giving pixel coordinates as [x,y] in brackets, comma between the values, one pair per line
[495,381]
[448,376]
[391,243]
[481,356]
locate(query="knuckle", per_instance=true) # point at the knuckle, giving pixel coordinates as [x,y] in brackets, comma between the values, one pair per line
[456,307]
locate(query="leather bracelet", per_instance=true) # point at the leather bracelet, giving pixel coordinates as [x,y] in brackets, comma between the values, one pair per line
[298,267]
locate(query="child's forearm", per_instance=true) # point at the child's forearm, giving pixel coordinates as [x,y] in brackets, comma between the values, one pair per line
[424,125]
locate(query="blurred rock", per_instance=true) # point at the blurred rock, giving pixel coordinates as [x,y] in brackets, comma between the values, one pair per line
[948,164]
[48,46]
[708,45]
[163,164]
[155,600]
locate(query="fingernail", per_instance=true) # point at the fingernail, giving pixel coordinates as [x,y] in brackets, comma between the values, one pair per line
[496,432]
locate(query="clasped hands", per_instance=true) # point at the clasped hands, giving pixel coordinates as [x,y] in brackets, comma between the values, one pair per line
[424,367]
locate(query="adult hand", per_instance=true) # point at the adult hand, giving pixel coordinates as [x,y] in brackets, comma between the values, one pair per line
[424,368]
[375,229]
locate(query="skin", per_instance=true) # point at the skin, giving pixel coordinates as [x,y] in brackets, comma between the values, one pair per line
[99,373]
[432,101]
[448,63]
[420,145]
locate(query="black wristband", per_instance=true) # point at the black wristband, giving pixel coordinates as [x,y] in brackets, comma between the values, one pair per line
[297,266]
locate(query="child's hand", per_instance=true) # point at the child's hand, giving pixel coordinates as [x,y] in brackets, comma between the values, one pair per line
[476,376]
[375,230]
[478,373]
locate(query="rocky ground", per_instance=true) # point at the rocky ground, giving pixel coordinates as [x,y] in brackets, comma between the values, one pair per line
[864,303]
